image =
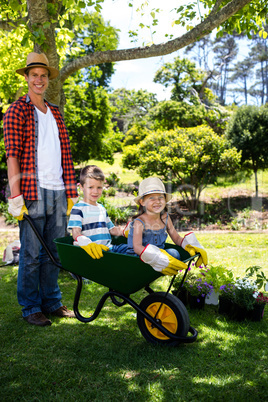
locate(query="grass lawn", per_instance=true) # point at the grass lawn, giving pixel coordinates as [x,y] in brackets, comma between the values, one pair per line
[109,360]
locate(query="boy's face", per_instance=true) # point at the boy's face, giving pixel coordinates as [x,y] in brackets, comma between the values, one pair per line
[92,190]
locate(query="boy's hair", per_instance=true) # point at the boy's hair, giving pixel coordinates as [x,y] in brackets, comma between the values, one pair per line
[91,172]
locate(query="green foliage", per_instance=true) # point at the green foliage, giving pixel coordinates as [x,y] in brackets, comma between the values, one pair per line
[247,131]
[117,215]
[87,117]
[217,275]
[249,18]
[112,179]
[135,135]
[191,158]
[185,79]
[131,107]
[168,115]
[9,219]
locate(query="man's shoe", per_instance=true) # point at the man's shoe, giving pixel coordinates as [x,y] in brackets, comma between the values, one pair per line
[63,312]
[38,319]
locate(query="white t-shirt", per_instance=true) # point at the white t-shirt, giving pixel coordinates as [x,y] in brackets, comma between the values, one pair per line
[49,152]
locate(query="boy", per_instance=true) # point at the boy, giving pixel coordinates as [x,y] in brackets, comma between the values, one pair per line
[90,224]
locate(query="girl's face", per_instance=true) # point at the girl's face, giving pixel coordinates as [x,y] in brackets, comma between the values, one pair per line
[154,203]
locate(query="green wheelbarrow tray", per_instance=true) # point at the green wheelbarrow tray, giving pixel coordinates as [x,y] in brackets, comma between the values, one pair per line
[124,273]
[162,318]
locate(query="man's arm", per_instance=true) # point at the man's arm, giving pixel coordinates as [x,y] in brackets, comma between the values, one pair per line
[13,171]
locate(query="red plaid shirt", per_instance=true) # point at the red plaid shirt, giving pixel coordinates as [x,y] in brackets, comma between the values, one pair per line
[20,142]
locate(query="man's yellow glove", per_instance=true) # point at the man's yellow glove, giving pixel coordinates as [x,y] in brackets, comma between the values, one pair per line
[161,261]
[70,204]
[192,250]
[93,249]
[17,207]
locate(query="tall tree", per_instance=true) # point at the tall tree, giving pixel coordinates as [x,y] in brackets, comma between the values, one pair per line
[49,25]
[187,81]
[242,72]
[248,132]
[259,56]
[225,49]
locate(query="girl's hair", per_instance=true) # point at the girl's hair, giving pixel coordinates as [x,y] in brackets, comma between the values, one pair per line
[91,172]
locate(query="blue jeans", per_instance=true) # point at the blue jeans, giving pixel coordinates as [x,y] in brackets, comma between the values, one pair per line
[173,252]
[37,287]
[120,248]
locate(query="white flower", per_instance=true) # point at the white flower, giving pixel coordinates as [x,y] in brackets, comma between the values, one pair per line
[255,295]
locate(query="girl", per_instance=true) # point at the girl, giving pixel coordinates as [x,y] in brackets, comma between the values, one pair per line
[150,228]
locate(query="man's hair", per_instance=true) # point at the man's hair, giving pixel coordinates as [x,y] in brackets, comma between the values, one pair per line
[91,172]
[26,72]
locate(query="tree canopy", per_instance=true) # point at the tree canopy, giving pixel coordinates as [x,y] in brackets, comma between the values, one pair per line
[248,132]
[50,26]
[190,158]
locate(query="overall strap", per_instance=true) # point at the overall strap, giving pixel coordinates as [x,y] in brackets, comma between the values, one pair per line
[138,219]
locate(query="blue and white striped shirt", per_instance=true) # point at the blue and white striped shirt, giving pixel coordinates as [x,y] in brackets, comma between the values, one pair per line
[93,221]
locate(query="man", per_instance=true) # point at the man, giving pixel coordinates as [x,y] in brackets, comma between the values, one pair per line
[43,184]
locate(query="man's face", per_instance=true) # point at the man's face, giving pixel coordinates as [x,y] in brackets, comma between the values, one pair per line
[38,80]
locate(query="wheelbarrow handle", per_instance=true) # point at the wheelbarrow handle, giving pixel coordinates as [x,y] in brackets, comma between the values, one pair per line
[42,240]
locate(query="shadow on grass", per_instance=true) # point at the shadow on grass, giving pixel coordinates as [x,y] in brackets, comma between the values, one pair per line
[109,360]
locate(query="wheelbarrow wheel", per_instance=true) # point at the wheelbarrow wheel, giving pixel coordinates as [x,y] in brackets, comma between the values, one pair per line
[169,311]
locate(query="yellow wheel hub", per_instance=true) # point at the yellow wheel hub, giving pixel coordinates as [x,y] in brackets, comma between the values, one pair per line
[167,317]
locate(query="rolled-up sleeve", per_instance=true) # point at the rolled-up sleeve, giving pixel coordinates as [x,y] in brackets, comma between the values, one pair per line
[13,125]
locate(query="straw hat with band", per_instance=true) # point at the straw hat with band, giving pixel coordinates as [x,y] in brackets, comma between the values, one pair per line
[38,60]
[152,185]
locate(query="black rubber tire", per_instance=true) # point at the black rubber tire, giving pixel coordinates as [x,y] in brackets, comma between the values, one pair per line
[173,309]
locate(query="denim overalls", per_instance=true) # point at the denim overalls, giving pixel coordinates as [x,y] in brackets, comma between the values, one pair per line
[155,237]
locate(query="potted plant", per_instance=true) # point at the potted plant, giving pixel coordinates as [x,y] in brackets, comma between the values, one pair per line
[241,299]
[197,289]
[216,276]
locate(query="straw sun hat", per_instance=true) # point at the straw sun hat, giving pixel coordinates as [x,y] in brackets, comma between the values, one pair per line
[38,60]
[152,185]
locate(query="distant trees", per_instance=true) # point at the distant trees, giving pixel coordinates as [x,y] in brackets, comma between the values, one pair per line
[248,132]
[190,158]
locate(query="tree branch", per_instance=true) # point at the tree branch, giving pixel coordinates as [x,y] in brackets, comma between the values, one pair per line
[9,25]
[214,19]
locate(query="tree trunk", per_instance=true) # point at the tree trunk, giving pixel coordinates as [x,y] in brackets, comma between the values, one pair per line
[256,183]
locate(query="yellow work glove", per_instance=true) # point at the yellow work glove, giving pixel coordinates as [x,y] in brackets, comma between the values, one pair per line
[70,204]
[192,250]
[126,229]
[161,261]
[17,207]
[95,250]
[174,265]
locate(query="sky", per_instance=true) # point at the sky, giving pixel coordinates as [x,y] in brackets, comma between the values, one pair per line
[139,74]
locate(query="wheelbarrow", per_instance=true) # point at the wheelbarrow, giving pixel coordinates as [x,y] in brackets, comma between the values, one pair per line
[161,317]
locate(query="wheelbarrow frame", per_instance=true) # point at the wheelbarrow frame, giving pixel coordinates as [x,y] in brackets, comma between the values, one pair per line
[120,286]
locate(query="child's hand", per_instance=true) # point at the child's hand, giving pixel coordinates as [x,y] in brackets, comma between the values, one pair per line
[126,229]
[192,250]
[161,261]
[192,245]
[95,250]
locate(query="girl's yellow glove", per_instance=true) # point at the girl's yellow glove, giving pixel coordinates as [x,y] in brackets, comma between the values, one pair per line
[161,261]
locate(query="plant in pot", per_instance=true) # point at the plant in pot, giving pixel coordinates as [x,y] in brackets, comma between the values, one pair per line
[241,299]
[216,276]
[196,287]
